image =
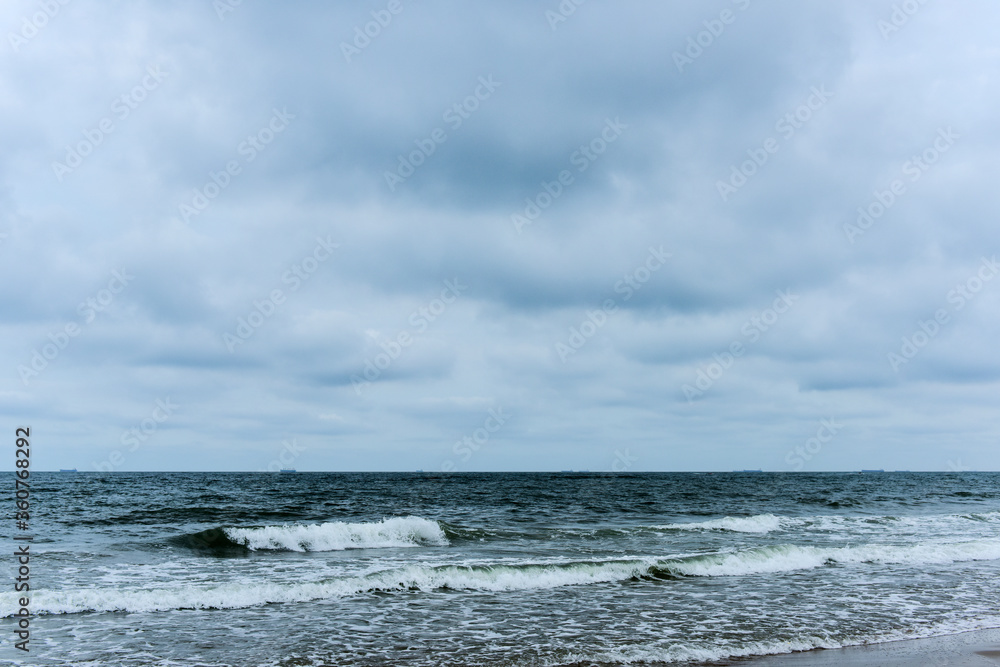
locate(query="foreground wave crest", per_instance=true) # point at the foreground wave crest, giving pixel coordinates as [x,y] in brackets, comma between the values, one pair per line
[410,531]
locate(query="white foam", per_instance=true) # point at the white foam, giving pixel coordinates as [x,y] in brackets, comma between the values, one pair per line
[779,558]
[727,650]
[678,652]
[787,557]
[766,523]
[760,523]
[496,577]
[410,531]
[239,595]
[919,554]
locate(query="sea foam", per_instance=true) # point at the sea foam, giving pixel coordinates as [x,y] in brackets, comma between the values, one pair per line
[500,577]
[410,531]
[760,523]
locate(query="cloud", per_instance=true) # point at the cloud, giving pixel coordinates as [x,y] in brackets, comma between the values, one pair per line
[207,154]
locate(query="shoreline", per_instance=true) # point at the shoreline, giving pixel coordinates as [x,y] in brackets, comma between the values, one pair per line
[975,648]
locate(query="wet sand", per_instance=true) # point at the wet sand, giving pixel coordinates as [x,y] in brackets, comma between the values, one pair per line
[980,648]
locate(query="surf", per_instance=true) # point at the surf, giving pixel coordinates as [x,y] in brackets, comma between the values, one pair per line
[395,532]
[496,577]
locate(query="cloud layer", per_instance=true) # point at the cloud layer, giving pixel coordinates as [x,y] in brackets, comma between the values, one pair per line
[652,236]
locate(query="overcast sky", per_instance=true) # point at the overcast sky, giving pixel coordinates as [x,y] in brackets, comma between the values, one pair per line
[397,235]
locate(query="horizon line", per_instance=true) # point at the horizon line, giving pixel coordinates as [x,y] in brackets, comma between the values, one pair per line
[526,472]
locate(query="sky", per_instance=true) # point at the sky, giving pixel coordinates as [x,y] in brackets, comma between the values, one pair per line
[395,235]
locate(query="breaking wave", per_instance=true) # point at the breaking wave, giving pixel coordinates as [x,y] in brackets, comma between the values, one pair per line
[481,577]
[766,523]
[410,531]
[761,523]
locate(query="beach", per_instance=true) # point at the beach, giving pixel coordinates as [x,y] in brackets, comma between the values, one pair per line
[968,649]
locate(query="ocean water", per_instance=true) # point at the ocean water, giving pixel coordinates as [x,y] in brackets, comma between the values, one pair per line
[248,569]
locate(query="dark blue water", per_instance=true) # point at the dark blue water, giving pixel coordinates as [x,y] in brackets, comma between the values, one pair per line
[248,569]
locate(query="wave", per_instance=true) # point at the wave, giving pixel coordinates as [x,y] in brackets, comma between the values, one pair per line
[760,523]
[788,557]
[500,577]
[702,653]
[410,531]
[458,533]
[766,523]
[725,651]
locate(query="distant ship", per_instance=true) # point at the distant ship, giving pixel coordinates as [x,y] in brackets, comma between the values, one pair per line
[748,470]
[67,469]
[287,470]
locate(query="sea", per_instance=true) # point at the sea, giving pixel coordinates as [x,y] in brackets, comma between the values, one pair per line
[518,569]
